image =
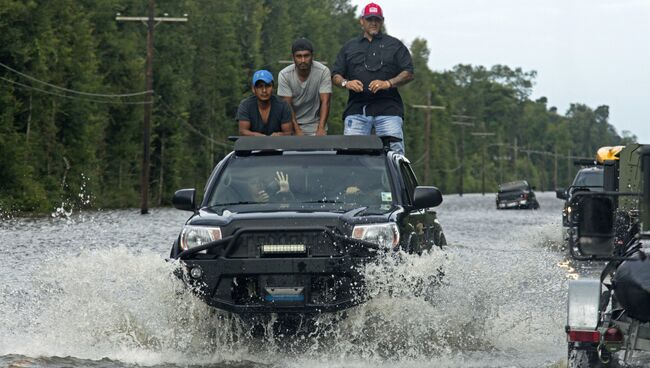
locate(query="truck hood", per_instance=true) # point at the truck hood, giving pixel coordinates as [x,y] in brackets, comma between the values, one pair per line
[227,218]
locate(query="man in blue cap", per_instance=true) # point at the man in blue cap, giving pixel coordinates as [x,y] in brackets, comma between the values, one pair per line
[264,113]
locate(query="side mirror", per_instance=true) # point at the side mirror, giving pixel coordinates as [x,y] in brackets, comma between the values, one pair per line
[426,197]
[561,193]
[184,199]
[595,217]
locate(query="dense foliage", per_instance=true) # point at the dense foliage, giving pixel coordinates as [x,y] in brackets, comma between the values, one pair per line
[57,144]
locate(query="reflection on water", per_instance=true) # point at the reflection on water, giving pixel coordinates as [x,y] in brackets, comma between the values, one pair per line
[94,289]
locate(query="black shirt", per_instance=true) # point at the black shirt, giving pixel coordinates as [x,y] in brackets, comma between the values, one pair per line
[280,113]
[383,58]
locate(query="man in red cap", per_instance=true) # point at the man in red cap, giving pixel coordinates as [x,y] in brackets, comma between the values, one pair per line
[371,67]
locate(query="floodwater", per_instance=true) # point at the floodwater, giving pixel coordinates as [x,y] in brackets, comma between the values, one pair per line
[93,289]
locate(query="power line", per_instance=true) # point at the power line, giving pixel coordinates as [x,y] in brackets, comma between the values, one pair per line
[450,170]
[419,160]
[190,126]
[72,90]
[73,97]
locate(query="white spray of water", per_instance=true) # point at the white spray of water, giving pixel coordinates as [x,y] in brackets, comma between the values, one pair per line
[492,308]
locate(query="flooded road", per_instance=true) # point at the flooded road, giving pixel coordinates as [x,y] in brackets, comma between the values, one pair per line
[93,289]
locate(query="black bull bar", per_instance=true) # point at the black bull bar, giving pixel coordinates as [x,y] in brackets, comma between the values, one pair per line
[291,284]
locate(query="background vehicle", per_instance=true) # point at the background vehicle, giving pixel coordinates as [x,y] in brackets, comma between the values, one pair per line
[612,313]
[516,194]
[586,179]
[287,223]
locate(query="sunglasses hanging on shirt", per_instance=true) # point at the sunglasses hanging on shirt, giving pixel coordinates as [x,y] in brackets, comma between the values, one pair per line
[374,58]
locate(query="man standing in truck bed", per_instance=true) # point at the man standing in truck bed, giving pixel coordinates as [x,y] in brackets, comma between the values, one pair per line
[307,87]
[372,66]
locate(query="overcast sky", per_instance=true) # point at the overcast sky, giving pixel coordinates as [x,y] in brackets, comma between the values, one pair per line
[595,52]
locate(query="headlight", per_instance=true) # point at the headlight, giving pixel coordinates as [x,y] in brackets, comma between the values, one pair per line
[386,235]
[193,236]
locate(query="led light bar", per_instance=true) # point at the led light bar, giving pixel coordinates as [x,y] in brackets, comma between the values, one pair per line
[283,248]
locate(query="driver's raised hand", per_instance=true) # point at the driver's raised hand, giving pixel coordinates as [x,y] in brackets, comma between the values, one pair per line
[283,181]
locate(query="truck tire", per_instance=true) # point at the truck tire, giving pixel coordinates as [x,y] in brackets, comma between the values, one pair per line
[579,358]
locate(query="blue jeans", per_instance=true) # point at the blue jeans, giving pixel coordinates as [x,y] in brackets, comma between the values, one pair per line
[384,126]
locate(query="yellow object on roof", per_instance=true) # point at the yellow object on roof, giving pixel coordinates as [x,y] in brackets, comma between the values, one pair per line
[608,153]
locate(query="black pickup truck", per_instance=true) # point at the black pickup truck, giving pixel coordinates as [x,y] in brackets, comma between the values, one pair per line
[586,179]
[516,194]
[286,224]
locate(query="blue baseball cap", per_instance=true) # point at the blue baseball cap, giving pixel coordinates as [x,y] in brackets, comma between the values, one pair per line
[263,75]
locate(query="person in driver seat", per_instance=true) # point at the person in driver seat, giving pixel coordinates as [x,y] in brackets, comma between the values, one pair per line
[277,190]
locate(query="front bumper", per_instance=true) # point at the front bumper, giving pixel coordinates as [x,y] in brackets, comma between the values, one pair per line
[296,285]
[291,283]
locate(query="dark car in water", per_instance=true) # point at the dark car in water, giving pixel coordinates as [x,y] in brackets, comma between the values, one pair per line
[516,194]
[586,179]
[286,224]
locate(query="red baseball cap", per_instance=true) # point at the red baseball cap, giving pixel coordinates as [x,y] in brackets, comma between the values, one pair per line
[372,10]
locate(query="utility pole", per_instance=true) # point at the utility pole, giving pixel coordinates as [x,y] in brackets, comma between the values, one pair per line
[500,165]
[149,22]
[427,136]
[568,167]
[483,135]
[555,169]
[462,125]
[514,154]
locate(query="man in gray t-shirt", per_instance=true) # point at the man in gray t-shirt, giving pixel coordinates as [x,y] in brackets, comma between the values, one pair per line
[307,86]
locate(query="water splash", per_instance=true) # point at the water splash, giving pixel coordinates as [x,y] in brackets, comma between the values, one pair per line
[74,201]
[500,302]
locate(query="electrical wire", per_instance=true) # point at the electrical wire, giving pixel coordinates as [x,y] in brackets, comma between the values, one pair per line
[190,126]
[450,170]
[72,90]
[73,97]
[418,161]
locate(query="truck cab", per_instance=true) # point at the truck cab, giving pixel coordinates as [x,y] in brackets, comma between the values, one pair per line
[286,224]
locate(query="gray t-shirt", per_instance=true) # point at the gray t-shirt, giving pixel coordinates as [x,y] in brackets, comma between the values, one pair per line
[306,98]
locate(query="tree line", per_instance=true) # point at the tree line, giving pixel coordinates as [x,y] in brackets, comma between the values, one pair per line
[71,102]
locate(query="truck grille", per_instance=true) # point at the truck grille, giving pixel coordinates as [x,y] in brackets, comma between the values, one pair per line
[316,244]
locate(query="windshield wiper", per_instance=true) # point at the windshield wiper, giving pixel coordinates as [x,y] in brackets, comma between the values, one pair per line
[323,201]
[235,203]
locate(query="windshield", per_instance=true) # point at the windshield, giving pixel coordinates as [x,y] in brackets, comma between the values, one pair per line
[292,180]
[589,179]
[517,185]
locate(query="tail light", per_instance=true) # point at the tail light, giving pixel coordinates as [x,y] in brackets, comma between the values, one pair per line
[524,196]
[613,339]
[583,336]
[613,334]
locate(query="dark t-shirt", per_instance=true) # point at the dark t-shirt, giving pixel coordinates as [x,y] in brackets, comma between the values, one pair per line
[383,58]
[280,113]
